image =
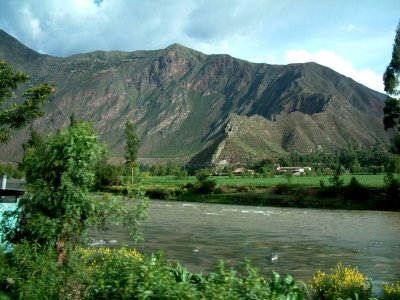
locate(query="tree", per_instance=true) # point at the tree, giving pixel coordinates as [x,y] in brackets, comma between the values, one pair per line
[391,79]
[57,209]
[36,139]
[59,174]
[131,146]
[19,114]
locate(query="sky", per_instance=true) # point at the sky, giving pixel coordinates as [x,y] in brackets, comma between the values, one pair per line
[353,37]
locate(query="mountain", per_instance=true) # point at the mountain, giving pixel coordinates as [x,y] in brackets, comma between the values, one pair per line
[199,108]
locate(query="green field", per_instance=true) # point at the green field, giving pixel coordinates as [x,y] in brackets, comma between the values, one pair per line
[309,181]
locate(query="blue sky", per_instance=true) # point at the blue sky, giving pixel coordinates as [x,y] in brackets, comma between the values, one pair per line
[354,37]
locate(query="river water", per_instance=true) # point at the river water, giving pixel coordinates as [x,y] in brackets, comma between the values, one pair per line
[305,240]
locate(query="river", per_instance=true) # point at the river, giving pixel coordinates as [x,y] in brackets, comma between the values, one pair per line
[305,240]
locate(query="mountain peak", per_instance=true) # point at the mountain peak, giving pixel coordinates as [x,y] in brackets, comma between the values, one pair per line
[176,46]
[180,94]
[14,51]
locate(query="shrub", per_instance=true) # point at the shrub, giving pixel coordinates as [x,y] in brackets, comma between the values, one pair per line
[163,193]
[336,181]
[299,194]
[179,175]
[391,291]
[355,190]
[242,188]
[345,282]
[108,175]
[31,272]
[205,187]
[11,171]
[392,191]
[282,189]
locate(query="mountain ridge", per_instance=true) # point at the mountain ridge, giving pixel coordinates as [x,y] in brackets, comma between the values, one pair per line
[183,101]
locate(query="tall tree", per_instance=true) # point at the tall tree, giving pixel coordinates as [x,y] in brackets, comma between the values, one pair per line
[131,146]
[59,173]
[18,115]
[391,79]
[57,208]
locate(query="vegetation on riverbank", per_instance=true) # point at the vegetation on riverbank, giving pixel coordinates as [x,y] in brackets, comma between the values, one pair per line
[31,272]
[374,192]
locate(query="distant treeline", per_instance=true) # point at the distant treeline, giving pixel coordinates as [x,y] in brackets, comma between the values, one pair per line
[354,158]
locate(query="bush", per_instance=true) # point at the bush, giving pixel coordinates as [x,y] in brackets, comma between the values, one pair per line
[391,291]
[356,191]
[205,187]
[204,184]
[299,194]
[108,175]
[11,171]
[31,272]
[345,282]
[125,274]
[336,181]
[180,175]
[163,193]
[242,188]
[392,192]
[282,189]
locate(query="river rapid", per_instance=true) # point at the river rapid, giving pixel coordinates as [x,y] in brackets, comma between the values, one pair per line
[198,235]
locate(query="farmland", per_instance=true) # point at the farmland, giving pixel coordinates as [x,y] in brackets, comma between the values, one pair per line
[305,181]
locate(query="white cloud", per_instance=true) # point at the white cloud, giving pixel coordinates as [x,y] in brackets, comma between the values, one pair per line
[352,27]
[334,61]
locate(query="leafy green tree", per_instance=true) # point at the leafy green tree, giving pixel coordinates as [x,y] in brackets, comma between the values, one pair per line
[205,184]
[59,174]
[131,146]
[57,208]
[132,142]
[18,115]
[391,81]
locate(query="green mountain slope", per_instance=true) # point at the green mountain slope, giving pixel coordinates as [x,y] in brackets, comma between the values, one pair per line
[186,103]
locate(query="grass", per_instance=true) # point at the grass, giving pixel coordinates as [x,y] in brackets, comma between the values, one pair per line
[306,181]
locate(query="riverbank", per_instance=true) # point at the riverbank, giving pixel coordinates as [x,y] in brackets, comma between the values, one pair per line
[283,195]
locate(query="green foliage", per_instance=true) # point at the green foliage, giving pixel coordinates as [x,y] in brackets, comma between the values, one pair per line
[282,189]
[18,115]
[111,210]
[394,164]
[11,171]
[132,143]
[336,181]
[59,174]
[355,190]
[164,193]
[392,192]
[205,184]
[288,175]
[344,282]
[203,175]
[31,272]
[391,291]
[392,82]
[108,175]
[179,175]
[57,209]
[36,139]
[391,76]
